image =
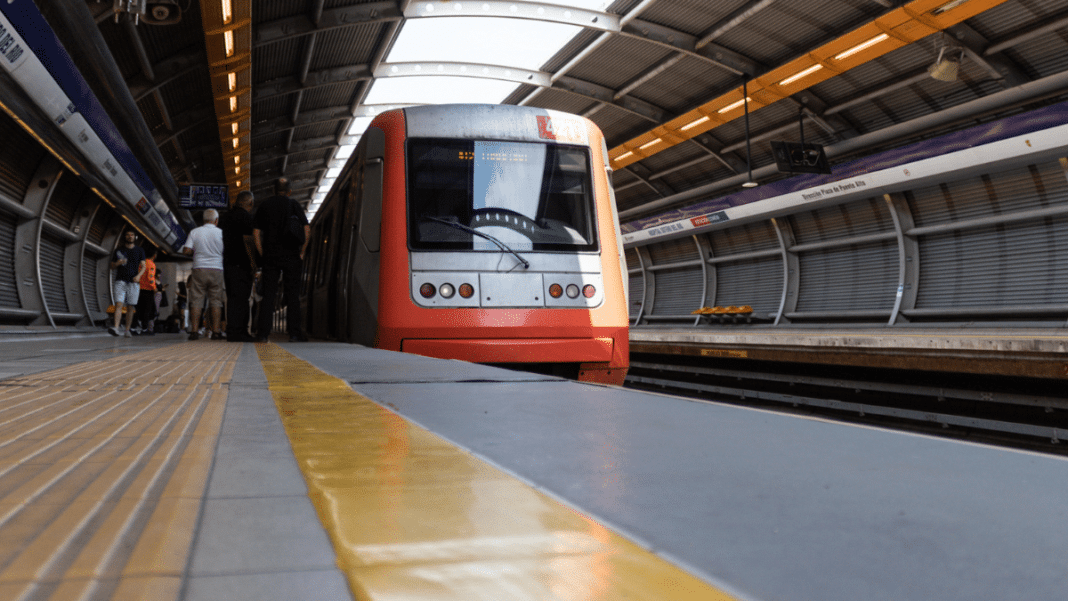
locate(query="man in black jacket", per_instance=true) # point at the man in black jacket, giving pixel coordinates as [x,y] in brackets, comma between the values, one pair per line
[237,267]
[282,254]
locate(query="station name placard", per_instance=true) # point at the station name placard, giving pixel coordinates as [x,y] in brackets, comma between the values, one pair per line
[203,196]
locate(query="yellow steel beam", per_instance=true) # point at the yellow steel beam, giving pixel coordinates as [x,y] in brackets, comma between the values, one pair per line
[900,27]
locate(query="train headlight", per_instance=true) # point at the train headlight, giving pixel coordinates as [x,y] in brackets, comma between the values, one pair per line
[446,290]
[572,291]
[588,291]
[427,290]
[555,291]
[467,290]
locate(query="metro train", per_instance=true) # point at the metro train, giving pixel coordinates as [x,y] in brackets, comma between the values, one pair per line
[486,233]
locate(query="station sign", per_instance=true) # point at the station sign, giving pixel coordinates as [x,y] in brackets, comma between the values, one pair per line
[203,196]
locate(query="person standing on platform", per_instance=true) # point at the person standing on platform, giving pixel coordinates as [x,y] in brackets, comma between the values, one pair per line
[146,302]
[280,230]
[205,245]
[128,263]
[238,266]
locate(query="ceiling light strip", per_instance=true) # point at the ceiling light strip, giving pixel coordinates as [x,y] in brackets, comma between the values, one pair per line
[894,29]
[227,26]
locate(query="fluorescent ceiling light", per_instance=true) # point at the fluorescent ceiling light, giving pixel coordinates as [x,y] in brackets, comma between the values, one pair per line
[231,79]
[730,107]
[695,123]
[861,46]
[344,152]
[333,172]
[800,74]
[228,41]
[948,6]
[624,155]
[227,11]
[650,143]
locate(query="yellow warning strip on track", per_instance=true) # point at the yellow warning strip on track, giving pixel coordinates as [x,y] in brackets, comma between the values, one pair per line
[412,516]
[103,467]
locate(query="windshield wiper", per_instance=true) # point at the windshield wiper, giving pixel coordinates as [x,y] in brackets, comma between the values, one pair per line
[471,230]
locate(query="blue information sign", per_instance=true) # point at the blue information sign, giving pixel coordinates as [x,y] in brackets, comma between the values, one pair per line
[203,196]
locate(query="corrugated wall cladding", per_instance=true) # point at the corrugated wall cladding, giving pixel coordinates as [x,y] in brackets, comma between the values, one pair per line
[9,296]
[52,273]
[755,283]
[20,155]
[1022,264]
[673,251]
[854,278]
[678,291]
[90,265]
[863,217]
[1032,187]
[65,200]
[750,237]
[98,228]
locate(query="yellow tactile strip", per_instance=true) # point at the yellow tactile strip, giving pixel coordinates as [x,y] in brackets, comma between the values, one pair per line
[412,516]
[103,467]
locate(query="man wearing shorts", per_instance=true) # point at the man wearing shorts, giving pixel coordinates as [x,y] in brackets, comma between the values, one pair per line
[205,245]
[128,261]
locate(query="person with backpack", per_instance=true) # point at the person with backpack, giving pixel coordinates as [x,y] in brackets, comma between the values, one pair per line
[280,231]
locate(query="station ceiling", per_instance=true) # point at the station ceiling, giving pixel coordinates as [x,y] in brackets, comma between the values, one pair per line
[663,79]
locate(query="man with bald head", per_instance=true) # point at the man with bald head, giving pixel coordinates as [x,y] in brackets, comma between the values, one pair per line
[205,245]
[282,257]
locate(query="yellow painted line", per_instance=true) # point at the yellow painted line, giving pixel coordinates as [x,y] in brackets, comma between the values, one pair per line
[412,516]
[102,478]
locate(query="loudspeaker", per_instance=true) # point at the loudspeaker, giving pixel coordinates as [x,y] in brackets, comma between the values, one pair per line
[162,12]
[945,69]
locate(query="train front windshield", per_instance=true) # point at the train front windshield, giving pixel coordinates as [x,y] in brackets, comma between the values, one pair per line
[529,196]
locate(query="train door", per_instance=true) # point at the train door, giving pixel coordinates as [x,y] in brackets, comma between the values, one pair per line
[364,241]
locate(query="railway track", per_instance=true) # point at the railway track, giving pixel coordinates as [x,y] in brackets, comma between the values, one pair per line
[1016,412]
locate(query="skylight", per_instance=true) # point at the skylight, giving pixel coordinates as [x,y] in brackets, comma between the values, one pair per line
[466,40]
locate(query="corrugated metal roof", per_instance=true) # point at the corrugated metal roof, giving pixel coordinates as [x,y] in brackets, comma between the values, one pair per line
[663,37]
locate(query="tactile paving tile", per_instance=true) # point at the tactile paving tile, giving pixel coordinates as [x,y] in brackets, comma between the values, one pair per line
[103,465]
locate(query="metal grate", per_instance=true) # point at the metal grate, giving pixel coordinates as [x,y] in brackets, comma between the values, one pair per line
[1019,264]
[9,296]
[678,291]
[756,283]
[52,273]
[849,279]
[673,251]
[65,200]
[868,216]
[89,280]
[747,238]
[20,155]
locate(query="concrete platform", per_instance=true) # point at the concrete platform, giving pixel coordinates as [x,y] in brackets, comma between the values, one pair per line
[331,471]
[1037,353]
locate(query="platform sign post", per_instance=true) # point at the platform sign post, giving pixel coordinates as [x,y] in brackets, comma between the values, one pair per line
[203,196]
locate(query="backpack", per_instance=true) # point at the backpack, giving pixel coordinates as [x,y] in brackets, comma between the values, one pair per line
[293,232]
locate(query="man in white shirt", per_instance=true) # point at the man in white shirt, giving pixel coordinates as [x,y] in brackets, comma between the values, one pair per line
[205,245]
